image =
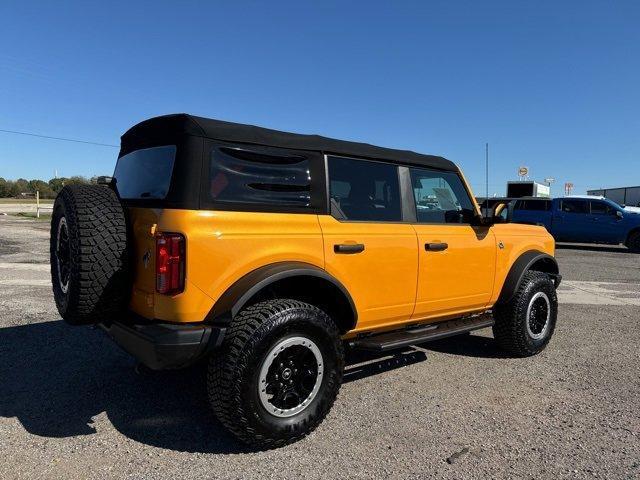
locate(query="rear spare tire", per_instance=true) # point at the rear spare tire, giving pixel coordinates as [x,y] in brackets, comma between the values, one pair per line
[88,251]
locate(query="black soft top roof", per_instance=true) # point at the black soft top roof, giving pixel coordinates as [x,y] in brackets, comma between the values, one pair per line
[183,124]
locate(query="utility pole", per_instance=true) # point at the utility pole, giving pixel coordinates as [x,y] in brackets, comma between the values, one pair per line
[486,179]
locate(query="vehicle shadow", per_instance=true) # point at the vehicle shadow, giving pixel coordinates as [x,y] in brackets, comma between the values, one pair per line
[468,346]
[593,248]
[57,380]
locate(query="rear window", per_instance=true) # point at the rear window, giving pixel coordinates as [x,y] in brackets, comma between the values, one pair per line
[537,205]
[364,191]
[145,173]
[248,177]
[575,206]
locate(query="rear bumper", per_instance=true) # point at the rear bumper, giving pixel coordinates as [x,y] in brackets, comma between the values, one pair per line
[162,346]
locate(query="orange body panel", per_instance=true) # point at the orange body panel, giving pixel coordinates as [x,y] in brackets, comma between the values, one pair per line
[517,239]
[393,282]
[459,279]
[222,246]
[381,279]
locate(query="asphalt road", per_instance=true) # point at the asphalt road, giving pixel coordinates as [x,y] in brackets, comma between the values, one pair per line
[73,406]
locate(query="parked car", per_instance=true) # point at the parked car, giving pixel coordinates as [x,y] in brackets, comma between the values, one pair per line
[265,254]
[581,219]
[629,208]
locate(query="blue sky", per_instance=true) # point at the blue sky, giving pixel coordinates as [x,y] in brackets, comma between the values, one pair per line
[551,85]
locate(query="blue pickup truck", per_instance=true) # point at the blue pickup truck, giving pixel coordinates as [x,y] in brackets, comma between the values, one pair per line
[581,219]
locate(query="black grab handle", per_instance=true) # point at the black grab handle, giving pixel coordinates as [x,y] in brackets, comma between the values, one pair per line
[435,247]
[348,248]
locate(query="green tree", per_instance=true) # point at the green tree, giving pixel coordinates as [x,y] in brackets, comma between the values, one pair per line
[21,185]
[4,192]
[41,186]
[56,184]
[76,179]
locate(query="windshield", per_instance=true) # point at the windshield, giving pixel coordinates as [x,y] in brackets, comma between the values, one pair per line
[145,173]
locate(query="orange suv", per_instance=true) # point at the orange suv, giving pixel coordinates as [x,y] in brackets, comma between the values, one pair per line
[266,254]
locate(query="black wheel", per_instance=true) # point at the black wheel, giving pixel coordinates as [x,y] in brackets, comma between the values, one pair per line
[633,242]
[524,325]
[277,373]
[88,253]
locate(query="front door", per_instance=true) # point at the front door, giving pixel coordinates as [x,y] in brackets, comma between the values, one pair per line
[367,246]
[456,260]
[608,227]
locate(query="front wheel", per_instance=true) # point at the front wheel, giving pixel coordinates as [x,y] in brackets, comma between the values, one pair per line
[524,325]
[277,373]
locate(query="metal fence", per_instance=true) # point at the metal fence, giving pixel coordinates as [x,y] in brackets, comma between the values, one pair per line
[624,195]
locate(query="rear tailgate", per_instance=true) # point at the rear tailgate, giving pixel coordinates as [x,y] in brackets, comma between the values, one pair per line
[143,221]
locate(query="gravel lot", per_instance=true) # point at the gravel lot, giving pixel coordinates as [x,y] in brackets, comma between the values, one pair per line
[73,406]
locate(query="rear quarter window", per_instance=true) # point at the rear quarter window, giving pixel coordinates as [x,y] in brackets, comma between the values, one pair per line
[253,178]
[145,173]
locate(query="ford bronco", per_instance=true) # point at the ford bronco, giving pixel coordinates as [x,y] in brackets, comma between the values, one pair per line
[265,255]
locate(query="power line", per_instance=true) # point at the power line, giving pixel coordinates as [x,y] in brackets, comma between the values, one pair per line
[58,138]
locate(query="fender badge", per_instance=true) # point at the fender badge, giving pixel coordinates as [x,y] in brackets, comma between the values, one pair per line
[145,259]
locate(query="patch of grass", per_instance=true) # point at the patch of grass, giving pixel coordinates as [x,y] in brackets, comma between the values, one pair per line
[25,200]
[46,217]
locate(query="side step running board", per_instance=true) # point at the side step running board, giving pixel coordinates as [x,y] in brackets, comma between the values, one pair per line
[384,342]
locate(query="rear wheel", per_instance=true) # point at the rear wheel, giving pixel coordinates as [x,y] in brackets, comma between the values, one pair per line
[524,325]
[633,242]
[88,254]
[277,374]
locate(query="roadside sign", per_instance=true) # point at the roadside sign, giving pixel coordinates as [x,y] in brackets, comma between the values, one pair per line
[523,171]
[543,191]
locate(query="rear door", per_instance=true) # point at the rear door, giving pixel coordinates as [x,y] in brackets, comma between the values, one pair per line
[456,260]
[572,222]
[534,212]
[367,245]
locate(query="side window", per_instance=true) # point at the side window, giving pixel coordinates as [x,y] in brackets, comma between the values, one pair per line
[247,177]
[535,205]
[364,190]
[538,205]
[601,208]
[575,206]
[440,197]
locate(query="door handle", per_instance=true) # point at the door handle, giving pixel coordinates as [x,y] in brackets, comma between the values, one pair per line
[348,248]
[435,247]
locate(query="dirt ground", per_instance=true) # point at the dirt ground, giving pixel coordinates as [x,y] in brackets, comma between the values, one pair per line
[72,404]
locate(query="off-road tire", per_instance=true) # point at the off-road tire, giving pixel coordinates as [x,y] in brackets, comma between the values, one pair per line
[633,242]
[96,271]
[510,328]
[233,374]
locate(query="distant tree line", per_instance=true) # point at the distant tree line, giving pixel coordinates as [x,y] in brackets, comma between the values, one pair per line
[15,188]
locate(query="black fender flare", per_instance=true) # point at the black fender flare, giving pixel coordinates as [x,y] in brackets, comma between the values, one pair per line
[240,292]
[529,260]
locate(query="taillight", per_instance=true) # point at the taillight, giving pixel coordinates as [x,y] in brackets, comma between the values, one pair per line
[170,261]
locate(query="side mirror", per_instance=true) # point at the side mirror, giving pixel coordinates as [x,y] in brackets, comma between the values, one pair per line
[500,213]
